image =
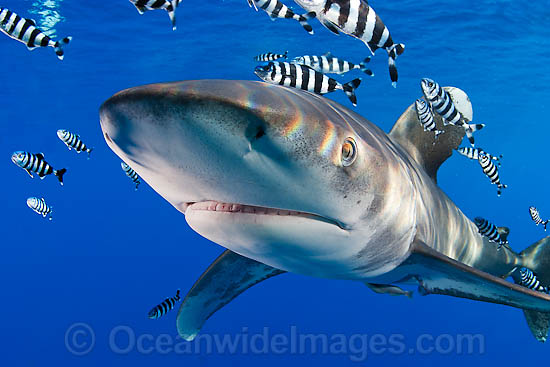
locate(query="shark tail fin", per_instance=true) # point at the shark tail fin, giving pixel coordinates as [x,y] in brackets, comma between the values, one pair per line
[537,258]
[349,89]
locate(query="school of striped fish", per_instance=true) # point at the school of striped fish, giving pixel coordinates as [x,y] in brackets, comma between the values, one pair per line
[355,18]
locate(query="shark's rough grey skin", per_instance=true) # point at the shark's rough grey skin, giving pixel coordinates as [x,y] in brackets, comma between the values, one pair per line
[291,181]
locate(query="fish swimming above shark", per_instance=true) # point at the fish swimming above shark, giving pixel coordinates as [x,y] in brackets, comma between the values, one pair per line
[289,181]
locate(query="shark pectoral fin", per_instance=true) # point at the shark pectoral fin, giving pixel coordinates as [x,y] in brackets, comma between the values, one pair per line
[409,133]
[227,277]
[439,274]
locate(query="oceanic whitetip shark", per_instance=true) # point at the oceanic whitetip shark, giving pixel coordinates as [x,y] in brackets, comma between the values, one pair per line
[289,181]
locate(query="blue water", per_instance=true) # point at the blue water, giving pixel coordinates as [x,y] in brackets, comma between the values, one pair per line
[111,253]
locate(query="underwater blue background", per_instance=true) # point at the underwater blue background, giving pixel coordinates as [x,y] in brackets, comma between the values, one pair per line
[112,253]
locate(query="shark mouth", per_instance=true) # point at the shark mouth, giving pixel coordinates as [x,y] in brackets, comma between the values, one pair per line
[216,206]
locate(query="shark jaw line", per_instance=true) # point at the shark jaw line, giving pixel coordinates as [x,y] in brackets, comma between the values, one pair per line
[233,208]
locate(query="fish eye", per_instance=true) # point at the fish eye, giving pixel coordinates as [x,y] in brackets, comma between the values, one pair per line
[349,152]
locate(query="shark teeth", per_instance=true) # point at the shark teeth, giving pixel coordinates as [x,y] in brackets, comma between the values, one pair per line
[240,208]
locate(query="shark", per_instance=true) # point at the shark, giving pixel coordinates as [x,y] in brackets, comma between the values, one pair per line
[289,181]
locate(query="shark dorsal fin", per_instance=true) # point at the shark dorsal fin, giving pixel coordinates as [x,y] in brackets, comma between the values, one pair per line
[429,152]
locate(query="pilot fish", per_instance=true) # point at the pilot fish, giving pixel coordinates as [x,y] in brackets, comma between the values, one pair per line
[304,77]
[491,171]
[489,230]
[441,102]
[474,153]
[73,141]
[166,305]
[276,9]
[131,173]
[25,31]
[329,64]
[170,6]
[426,117]
[268,56]
[535,216]
[37,164]
[529,279]
[40,207]
[357,19]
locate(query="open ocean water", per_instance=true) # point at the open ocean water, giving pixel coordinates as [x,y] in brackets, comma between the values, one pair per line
[112,253]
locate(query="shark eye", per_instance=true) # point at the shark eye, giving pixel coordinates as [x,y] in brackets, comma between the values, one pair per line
[349,152]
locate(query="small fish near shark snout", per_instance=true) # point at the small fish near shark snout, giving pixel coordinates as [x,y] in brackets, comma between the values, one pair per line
[289,181]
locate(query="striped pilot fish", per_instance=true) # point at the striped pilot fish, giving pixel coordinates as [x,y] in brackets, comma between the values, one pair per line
[529,279]
[276,9]
[535,216]
[166,305]
[474,153]
[25,31]
[305,78]
[40,207]
[489,230]
[490,169]
[73,141]
[329,64]
[426,117]
[37,164]
[170,6]
[270,56]
[441,102]
[131,173]
[357,19]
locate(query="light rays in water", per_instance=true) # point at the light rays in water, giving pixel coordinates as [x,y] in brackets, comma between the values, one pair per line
[48,15]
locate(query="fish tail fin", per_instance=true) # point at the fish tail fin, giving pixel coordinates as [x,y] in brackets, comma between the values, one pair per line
[536,258]
[252,4]
[438,132]
[471,129]
[178,295]
[303,19]
[394,51]
[89,151]
[59,47]
[544,224]
[285,55]
[59,174]
[349,89]
[172,12]
[363,66]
